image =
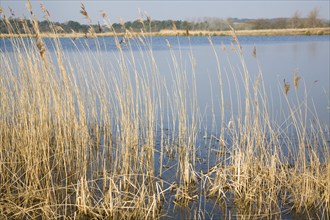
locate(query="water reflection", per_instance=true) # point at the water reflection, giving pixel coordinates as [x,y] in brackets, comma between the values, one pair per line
[277,59]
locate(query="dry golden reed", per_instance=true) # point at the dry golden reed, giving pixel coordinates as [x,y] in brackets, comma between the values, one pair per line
[91,32]
[45,11]
[85,136]
[35,24]
[84,12]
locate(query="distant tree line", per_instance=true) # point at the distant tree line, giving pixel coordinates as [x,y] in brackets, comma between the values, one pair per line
[44,26]
[73,26]
[211,24]
[296,21]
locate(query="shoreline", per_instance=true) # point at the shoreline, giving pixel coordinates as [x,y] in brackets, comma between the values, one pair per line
[168,33]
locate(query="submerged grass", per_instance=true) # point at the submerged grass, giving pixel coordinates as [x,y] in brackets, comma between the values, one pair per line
[81,138]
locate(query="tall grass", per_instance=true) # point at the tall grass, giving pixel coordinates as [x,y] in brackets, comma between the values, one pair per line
[84,137]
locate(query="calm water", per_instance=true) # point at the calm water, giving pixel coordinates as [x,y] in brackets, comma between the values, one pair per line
[277,59]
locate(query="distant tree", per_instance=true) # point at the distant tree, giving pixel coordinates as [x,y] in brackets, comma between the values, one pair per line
[216,24]
[296,20]
[128,25]
[117,27]
[279,23]
[186,25]
[261,24]
[313,18]
[137,25]
[168,24]
[75,26]
[3,27]
[44,26]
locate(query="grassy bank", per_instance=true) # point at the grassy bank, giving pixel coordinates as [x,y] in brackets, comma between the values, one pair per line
[165,33]
[92,137]
[267,32]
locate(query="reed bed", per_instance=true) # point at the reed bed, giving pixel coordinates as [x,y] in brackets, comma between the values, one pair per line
[84,138]
[167,33]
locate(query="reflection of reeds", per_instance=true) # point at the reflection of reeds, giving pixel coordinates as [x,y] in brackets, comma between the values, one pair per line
[78,137]
[254,52]
[296,79]
[286,87]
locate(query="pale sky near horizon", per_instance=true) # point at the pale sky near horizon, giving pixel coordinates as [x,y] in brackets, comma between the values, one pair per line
[63,11]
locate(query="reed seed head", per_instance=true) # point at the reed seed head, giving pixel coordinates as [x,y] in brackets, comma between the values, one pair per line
[41,46]
[296,79]
[235,38]
[29,6]
[104,14]
[12,13]
[45,11]
[140,20]
[84,12]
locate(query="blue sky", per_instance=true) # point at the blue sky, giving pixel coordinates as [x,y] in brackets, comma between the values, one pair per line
[62,10]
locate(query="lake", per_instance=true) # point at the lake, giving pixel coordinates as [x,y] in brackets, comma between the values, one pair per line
[278,57]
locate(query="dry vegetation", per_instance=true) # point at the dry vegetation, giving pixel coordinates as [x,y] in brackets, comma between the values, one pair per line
[79,139]
[266,32]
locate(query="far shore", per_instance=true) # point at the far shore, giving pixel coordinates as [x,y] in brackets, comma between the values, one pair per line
[264,32]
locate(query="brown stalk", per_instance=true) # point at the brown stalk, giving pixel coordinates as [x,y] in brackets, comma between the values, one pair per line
[296,79]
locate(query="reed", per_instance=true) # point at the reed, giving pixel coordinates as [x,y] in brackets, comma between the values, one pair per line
[85,137]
